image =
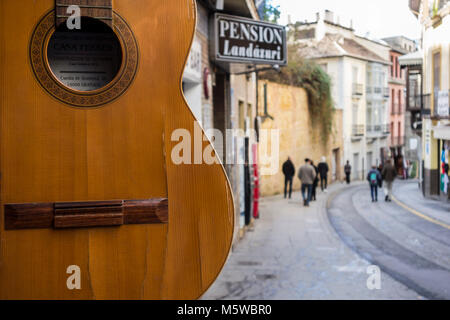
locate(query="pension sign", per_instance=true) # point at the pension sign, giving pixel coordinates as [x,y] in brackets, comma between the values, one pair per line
[244,40]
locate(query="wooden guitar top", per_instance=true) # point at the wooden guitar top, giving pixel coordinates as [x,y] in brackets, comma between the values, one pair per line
[88,180]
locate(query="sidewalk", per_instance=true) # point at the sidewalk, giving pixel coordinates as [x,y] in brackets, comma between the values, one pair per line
[408,193]
[294,253]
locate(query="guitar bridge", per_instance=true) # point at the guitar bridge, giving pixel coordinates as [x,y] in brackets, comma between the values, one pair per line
[63,215]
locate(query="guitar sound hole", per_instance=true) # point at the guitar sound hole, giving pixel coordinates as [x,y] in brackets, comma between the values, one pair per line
[87,59]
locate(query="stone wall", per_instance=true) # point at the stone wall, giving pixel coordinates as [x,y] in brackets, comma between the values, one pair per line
[299,138]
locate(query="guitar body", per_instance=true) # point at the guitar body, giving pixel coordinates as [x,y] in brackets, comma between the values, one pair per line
[56,153]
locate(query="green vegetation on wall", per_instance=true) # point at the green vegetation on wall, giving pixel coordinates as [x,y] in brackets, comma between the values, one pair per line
[307,74]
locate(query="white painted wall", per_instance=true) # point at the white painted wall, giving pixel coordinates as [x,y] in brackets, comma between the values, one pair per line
[193,94]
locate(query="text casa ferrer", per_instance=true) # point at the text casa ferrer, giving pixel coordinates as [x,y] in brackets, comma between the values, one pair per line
[238,39]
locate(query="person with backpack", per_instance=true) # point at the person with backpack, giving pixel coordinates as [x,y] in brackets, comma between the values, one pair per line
[374,178]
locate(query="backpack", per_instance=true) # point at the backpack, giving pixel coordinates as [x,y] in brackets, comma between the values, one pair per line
[373,178]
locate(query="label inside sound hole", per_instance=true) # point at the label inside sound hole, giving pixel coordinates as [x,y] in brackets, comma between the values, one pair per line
[84,61]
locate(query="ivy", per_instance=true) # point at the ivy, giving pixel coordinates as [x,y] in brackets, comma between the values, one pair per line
[307,74]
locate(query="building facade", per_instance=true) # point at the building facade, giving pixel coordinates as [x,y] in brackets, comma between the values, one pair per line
[222,96]
[358,68]
[434,18]
[412,64]
[397,102]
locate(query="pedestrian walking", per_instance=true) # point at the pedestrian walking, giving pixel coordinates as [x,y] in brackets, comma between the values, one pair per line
[323,172]
[315,184]
[374,178]
[407,168]
[289,173]
[307,174]
[380,170]
[389,174]
[348,172]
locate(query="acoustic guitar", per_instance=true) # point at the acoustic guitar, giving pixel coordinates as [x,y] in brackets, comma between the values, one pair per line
[92,204]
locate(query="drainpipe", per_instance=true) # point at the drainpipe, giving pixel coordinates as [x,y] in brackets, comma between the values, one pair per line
[257,106]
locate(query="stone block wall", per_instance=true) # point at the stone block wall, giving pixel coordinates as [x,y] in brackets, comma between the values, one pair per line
[299,138]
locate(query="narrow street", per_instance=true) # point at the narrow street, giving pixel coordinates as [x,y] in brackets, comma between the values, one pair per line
[323,252]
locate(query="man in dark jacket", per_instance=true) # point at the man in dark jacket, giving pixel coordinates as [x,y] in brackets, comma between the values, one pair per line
[389,174]
[315,184]
[289,173]
[348,172]
[323,172]
[374,178]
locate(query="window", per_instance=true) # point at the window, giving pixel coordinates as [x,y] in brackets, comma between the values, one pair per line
[396,67]
[249,116]
[392,130]
[241,115]
[369,118]
[355,114]
[414,90]
[436,77]
[399,102]
[355,74]
[392,66]
[377,116]
[393,102]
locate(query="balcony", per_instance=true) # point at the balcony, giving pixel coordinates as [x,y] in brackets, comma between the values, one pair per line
[414,103]
[375,128]
[426,100]
[357,90]
[358,130]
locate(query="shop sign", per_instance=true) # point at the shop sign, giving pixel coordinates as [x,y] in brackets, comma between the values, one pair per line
[242,40]
[443,107]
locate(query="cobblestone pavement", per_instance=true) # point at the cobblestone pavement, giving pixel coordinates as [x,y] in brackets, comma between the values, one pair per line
[295,253]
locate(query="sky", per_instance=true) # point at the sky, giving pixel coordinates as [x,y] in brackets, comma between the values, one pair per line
[379,18]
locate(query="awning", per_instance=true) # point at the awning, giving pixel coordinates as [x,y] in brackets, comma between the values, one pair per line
[442,132]
[411,59]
